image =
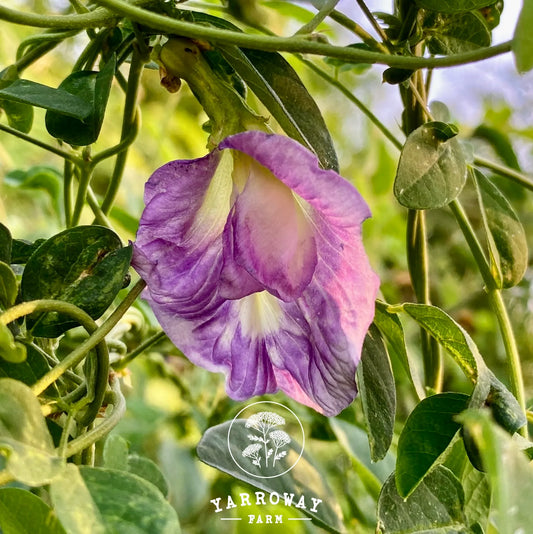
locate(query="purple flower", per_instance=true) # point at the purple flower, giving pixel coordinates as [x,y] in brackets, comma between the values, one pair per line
[255,268]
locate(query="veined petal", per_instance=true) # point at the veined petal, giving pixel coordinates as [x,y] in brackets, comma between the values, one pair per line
[178,249]
[261,274]
[271,235]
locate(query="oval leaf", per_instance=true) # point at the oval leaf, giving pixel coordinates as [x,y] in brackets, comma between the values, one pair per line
[213,450]
[427,433]
[377,392]
[128,503]
[506,236]
[435,506]
[21,512]
[85,266]
[431,172]
[93,88]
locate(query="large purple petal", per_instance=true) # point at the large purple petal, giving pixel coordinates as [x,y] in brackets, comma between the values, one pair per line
[207,248]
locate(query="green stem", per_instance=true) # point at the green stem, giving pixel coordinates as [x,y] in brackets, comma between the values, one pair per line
[507,172]
[103,428]
[417,259]
[68,171]
[356,29]
[86,172]
[101,17]
[129,128]
[124,362]
[97,337]
[372,20]
[75,357]
[99,215]
[513,356]
[498,305]
[66,155]
[327,7]
[352,98]
[50,40]
[473,243]
[122,146]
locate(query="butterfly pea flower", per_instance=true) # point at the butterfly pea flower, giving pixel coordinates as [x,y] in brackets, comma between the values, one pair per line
[255,268]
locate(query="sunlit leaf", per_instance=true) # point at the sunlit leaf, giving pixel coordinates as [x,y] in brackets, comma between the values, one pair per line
[431,172]
[302,480]
[24,437]
[506,236]
[21,512]
[437,505]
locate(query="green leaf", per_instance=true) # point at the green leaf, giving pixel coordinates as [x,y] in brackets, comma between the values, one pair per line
[280,89]
[522,44]
[128,503]
[10,350]
[453,6]
[6,243]
[450,335]
[22,250]
[436,506]
[19,115]
[377,392]
[148,470]
[92,87]
[355,442]
[506,236]
[115,452]
[42,96]
[40,177]
[431,172]
[427,433]
[21,512]
[29,371]
[477,496]
[8,286]
[391,327]
[455,34]
[74,504]
[24,437]
[509,471]
[213,449]
[84,265]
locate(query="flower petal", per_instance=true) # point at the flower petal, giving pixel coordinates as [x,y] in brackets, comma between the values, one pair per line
[206,248]
[178,249]
[271,236]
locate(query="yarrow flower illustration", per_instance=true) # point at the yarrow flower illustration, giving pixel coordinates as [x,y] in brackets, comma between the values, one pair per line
[255,268]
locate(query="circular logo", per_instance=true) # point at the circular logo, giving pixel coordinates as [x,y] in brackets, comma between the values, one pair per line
[266,439]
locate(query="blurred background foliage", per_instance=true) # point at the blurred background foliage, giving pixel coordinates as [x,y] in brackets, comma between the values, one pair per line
[171,402]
